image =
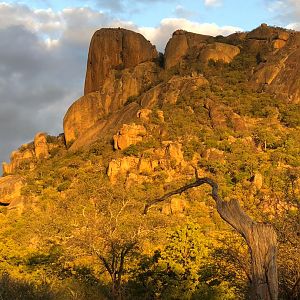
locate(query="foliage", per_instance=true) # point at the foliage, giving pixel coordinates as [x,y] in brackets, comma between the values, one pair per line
[80,237]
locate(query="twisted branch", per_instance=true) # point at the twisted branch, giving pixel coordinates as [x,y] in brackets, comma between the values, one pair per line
[261,239]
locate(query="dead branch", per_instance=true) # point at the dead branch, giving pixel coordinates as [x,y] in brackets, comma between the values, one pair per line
[260,238]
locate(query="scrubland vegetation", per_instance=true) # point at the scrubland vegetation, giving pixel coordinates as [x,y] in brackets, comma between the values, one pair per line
[80,237]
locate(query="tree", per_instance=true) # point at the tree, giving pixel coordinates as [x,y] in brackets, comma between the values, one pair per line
[108,231]
[114,263]
[261,239]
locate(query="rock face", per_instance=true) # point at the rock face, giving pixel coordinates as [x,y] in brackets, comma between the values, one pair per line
[82,114]
[266,74]
[280,70]
[41,148]
[170,91]
[179,45]
[116,91]
[129,135]
[29,154]
[17,158]
[10,189]
[107,127]
[219,52]
[140,169]
[204,47]
[115,49]
[123,79]
[222,116]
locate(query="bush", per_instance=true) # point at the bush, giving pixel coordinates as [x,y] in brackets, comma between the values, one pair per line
[14,289]
[132,150]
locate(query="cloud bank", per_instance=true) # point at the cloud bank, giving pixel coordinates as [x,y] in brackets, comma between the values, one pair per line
[286,11]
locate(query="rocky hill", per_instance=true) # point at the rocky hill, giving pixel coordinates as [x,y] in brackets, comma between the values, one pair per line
[227,107]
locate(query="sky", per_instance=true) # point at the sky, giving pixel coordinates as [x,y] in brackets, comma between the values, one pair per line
[44,46]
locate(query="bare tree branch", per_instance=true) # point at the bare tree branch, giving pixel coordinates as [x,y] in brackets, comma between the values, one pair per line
[261,239]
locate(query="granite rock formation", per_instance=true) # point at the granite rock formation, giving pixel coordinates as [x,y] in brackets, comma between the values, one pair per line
[10,189]
[115,49]
[123,76]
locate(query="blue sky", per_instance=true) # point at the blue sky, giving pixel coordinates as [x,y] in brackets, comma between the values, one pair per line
[246,14]
[44,46]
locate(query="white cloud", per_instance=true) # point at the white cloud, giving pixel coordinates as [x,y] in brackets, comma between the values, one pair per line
[286,11]
[161,34]
[213,2]
[293,26]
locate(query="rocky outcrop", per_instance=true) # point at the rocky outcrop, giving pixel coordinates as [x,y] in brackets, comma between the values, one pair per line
[179,45]
[41,148]
[18,158]
[117,49]
[144,114]
[219,52]
[117,90]
[280,71]
[129,134]
[170,91]
[10,190]
[107,127]
[205,48]
[222,116]
[268,33]
[122,81]
[82,114]
[174,152]
[177,205]
[86,119]
[28,154]
[168,158]
[119,167]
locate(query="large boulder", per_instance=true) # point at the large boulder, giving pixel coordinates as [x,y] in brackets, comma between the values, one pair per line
[179,45]
[112,48]
[129,134]
[10,189]
[82,114]
[118,89]
[280,71]
[219,52]
[184,44]
[107,127]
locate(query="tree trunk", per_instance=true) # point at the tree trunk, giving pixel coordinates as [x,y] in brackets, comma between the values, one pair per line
[261,239]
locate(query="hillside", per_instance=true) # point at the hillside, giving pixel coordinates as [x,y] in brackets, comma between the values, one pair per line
[227,108]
